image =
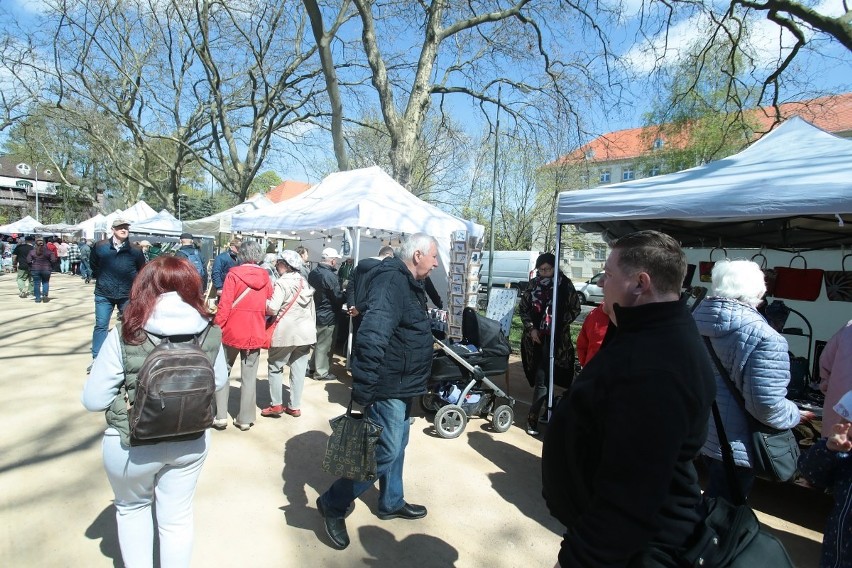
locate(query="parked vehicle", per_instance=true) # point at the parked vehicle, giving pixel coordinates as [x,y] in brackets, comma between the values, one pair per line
[512,267]
[591,292]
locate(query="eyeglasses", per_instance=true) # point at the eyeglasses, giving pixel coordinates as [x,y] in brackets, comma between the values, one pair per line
[121,228]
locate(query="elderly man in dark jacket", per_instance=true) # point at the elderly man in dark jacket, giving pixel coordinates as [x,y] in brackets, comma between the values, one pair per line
[328,302]
[391,362]
[115,263]
[617,461]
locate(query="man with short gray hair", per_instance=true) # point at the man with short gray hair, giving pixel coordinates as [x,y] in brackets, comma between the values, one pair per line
[328,301]
[391,361]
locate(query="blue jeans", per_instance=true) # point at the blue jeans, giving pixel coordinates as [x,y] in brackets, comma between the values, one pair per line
[393,415]
[717,480]
[85,271]
[103,312]
[64,264]
[41,283]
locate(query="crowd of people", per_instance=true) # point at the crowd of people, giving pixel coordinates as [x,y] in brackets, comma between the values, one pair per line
[645,366]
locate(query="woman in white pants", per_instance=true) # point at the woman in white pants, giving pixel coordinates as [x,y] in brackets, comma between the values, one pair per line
[164,301]
[292,303]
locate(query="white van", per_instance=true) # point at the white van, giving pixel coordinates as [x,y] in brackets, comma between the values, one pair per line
[512,267]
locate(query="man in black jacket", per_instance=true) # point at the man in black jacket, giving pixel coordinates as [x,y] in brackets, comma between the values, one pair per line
[391,362]
[617,461]
[115,263]
[328,301]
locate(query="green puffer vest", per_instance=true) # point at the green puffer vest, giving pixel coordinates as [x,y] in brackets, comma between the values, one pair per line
[134,357]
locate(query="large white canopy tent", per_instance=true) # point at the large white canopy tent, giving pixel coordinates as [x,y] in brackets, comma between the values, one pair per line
[163,223]
[791,190]
[90,226]
[221,222]
[25,225]
[366,202]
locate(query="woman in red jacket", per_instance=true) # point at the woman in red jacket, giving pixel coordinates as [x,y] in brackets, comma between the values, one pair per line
[242,317]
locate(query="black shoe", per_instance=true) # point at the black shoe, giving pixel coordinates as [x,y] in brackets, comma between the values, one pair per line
[407,511]
[88,280]
[335,528]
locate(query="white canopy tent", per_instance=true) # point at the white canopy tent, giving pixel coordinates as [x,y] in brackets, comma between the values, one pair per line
[163,223]
[366,202]
[789,190]
[25,225]
[139,211]
[89,226]
[221,222]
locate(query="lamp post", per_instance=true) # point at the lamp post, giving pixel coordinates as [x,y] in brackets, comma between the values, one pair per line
[493,197]
[180,201]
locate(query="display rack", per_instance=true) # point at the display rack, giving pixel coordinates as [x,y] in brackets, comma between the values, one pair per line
[463,279]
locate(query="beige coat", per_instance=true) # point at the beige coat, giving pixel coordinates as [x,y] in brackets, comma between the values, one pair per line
[298,326]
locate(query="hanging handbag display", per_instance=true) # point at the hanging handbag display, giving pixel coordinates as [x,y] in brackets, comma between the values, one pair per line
[769,274]
[776,452]
[838,283]
[273,323]
[798,283]
[705,267]
[351,449]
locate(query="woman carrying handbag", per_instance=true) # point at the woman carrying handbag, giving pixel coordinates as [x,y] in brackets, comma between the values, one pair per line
[293,331]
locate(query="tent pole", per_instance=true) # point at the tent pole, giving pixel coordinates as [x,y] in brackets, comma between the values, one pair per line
[553,319]
[356,252]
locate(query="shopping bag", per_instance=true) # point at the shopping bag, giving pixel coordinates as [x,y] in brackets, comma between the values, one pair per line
[769,274]
[798,283]
[705,267]
[351,449]
[838,283]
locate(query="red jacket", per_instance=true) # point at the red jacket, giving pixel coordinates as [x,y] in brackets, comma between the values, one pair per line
[244,325]
[592,334]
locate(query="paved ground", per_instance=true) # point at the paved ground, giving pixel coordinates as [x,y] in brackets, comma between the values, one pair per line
[255,500]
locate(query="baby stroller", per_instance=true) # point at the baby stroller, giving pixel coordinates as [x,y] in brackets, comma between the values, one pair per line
[459,386]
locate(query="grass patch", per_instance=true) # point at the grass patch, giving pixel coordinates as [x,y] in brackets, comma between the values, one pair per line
[517,330]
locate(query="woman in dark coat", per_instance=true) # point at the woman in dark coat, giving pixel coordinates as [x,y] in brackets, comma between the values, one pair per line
[535,310]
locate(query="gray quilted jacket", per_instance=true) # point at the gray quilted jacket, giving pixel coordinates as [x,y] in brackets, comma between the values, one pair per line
[757,360]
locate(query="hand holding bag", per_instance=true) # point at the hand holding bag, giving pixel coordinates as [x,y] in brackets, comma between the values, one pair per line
[838,283]
[798,283]
[351,450]
[776,452]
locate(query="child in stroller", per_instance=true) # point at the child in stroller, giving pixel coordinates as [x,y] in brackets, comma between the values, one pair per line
[460,386]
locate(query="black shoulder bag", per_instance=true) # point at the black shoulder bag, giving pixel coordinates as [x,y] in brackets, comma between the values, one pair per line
[351,449]
[776,452]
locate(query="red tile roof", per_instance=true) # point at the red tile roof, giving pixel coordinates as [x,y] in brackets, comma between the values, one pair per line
[832,113]
[287,189]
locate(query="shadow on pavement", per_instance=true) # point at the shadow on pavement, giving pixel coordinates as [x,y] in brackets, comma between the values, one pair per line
[419,550]
[104,528]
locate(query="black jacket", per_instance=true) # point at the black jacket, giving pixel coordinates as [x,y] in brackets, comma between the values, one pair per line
[617,460]
[567,312]
[328,299]
[392,354]
[115,269]
[356,292]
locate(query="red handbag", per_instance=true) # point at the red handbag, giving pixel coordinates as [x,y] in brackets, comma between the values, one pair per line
[798,283]
[705,267]
[838,283]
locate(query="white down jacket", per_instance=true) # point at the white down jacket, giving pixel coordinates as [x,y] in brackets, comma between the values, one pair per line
[298,325]
[756,358]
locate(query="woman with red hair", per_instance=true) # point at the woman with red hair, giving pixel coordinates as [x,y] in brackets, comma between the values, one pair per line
[164,302]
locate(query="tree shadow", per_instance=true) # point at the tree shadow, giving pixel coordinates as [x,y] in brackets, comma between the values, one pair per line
[104,528]
[519,481]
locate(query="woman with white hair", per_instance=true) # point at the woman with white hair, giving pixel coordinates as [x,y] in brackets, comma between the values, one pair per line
[757,361]
[292,303]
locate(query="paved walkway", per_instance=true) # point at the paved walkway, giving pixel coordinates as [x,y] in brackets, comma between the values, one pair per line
[255,500]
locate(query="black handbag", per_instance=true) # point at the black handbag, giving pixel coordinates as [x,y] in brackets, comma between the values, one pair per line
[351,449]
[776,452]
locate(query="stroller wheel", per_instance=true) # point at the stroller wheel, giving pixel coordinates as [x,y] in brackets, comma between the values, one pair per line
[430,403]
[503,418]
[450,421]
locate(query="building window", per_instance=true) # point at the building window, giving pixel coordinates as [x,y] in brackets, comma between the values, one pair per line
[576,273]
[627,174]
[659,143]
[605,176]
[654,171]
[600,252]
[579,254]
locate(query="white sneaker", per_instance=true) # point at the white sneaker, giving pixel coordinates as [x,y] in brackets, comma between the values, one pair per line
[220,423]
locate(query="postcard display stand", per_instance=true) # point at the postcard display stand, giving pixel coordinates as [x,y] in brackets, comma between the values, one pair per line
[465,264]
